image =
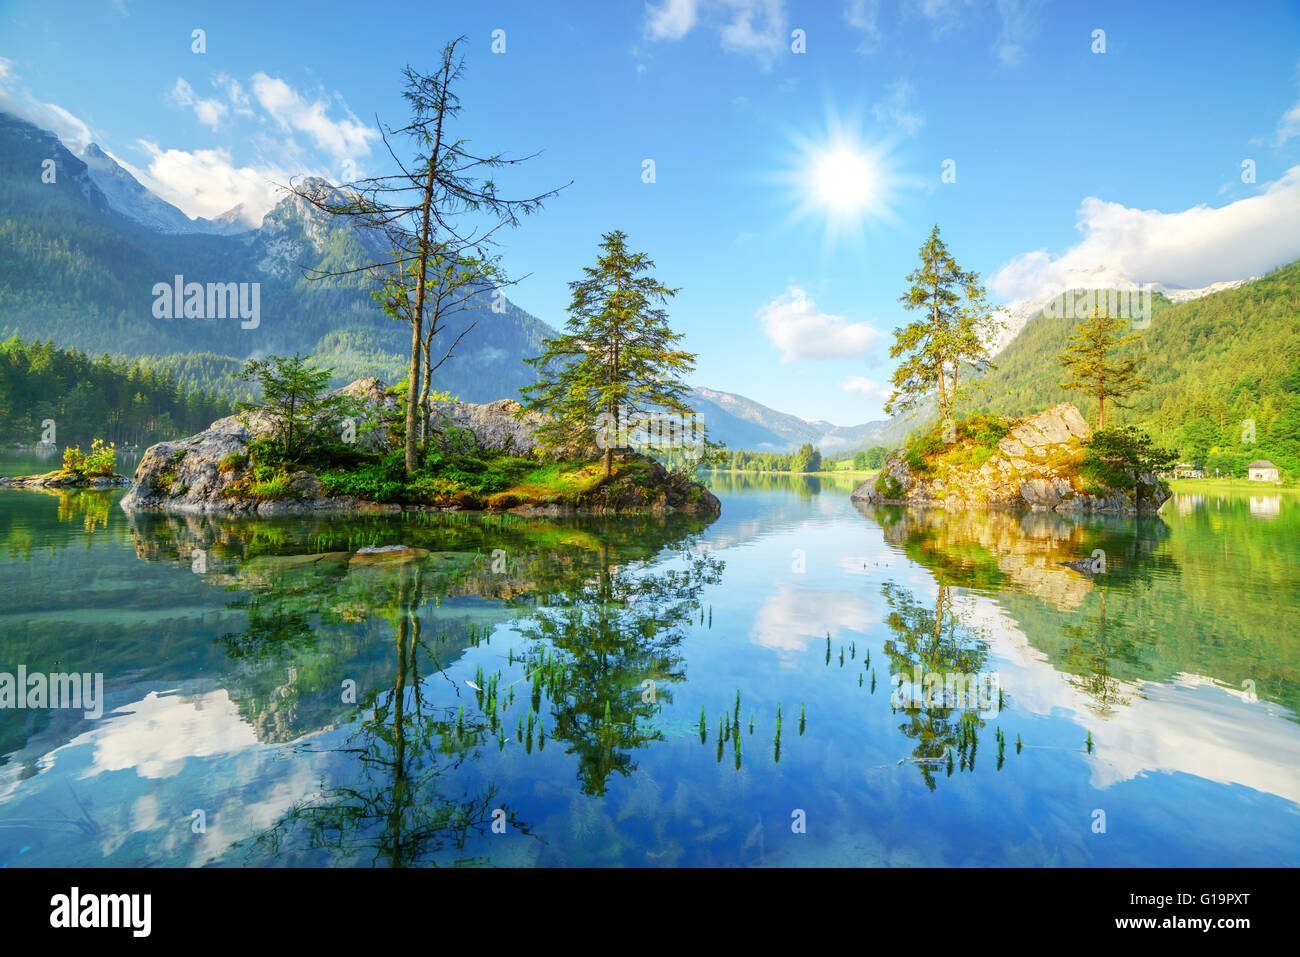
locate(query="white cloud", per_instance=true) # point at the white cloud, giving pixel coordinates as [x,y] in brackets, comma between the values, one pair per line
[234,91]
[864,16]
[793,619]
[208,111]
[756,26]
[343,139]
[1191,248]
[207,182]
[72,130]
[753,27]
[1018,25]
[896,108]
[866,387]
[210,182]
[74,133]
[671,20]
[943,15]
[1288,126]
[800,330]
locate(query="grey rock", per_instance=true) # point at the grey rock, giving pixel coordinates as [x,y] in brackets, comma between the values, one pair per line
[1011,480]
[494,425]
[196,474]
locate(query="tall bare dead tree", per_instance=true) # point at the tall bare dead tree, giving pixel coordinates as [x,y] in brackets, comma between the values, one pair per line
[442,206]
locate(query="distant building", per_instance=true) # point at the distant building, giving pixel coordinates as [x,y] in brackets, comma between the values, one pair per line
[1262,471]
[1188,470]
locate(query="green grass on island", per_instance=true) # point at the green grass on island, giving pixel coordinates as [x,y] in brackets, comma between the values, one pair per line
[488,481]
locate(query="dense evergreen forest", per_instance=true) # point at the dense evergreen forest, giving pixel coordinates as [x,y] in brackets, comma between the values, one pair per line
[803,459]
[128,403]
[1225,373]
[73,271]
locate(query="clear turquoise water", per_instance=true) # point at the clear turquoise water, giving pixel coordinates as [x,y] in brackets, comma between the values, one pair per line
[228,649]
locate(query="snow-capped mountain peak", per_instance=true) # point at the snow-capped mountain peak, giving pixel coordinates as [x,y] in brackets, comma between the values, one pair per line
[127,197]
[1019,312]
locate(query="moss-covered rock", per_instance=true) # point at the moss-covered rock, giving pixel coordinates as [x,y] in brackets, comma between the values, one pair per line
[221,470]
[1009,463]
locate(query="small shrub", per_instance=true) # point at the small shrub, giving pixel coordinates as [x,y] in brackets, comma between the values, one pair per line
[986,431]
[100,460]
[234,462]
[276,487]
[74,463]
[888,487]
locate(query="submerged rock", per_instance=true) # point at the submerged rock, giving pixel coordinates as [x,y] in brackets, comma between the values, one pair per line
[388,553]
[63,480]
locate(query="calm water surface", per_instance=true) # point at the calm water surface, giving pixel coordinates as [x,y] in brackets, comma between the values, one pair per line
[272,697]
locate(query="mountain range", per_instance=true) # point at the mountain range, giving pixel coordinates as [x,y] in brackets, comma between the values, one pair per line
[111,241]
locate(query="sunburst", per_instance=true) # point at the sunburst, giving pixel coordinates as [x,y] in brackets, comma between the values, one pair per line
[842,179]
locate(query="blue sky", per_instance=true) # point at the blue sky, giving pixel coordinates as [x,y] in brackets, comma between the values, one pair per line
[1065,159]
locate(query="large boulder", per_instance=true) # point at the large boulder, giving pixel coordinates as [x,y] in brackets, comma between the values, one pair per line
[207,472]
[374,412]
[494,425]
[1034,467]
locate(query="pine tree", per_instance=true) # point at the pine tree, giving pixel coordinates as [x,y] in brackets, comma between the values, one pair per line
[442,205]
[956,327]
[616,359]
[293,396]
[1093,372]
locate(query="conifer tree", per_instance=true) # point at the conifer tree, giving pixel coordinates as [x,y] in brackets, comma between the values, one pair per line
[442,205]
[294,398]
[1092,370]
[617,358]
[956,327]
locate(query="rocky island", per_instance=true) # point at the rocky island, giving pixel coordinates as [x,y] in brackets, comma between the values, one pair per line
[1042,462]
[488,458]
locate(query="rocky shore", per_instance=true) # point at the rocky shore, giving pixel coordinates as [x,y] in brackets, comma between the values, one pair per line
[1035,466]
[208,472]
[63,480]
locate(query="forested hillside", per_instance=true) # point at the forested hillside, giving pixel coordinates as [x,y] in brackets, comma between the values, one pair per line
[1229,358]
[121,402]
[75,271]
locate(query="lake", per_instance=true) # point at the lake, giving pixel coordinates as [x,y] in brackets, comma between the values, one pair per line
[522,692]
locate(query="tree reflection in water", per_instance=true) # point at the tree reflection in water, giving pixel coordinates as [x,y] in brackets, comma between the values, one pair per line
[601,618]
[936,642]
[616,635]
[1088,654]
[395,808]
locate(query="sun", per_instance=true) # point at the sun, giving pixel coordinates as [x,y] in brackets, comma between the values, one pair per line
[844,180]
[841,179]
